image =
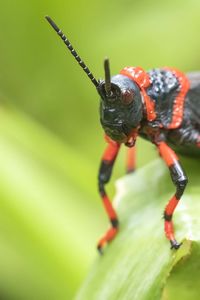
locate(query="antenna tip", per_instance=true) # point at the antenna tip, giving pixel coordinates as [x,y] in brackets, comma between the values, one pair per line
[106,63]
[47,18]
[51,22]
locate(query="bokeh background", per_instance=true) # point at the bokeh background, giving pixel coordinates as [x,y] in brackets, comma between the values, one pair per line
[50,137]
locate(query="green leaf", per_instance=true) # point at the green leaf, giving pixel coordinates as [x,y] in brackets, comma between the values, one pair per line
[139,262]
[46,211]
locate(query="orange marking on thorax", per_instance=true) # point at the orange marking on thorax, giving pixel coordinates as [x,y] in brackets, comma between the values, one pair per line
[142,79]
[178,109]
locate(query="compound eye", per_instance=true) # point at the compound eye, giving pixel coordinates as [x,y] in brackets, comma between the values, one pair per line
[127,96]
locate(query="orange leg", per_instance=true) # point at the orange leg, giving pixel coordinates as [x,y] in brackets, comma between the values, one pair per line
[131,160]
[105,172]
[180,180]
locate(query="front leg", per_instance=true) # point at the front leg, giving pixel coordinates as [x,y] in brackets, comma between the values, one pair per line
[105,172]
[131,160]
[180,180]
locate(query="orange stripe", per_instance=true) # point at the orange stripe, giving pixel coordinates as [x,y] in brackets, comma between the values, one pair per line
[110,234]
[169,209]
[138,75]
[110,153]
[169,230]
[108,206]
[150,106]
[178,109]
[167,154]
[111,150]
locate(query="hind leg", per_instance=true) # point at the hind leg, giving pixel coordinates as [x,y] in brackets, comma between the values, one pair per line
[179,178]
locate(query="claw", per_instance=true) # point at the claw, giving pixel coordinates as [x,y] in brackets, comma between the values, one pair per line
[175,245]
[100,249]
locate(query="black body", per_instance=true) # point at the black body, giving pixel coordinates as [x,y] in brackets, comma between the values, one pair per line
[184,138]
[118,119]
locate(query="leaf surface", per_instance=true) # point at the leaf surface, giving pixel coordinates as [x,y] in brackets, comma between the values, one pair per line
[139,262]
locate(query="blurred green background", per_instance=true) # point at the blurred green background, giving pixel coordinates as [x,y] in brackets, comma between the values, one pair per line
[50,137]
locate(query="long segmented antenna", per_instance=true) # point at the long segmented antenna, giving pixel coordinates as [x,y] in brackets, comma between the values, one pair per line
[73,52]
[107,77]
